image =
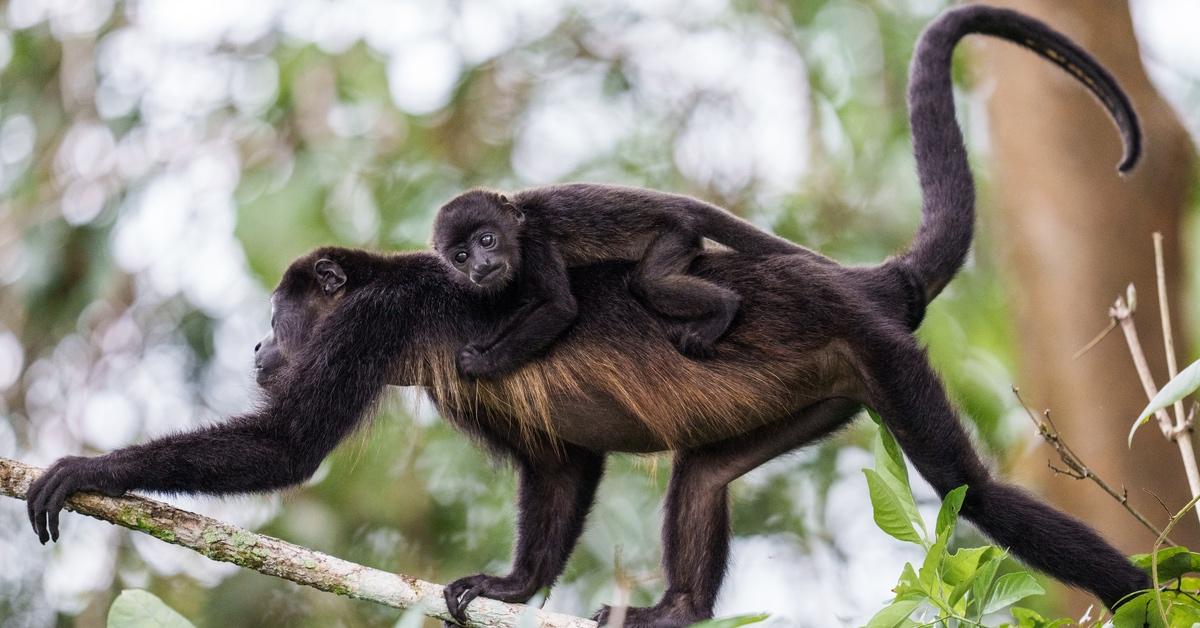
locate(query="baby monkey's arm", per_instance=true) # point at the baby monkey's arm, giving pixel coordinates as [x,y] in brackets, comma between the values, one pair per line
[548,308]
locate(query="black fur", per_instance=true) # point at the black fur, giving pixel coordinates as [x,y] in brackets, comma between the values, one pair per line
[348,322]
[532,239]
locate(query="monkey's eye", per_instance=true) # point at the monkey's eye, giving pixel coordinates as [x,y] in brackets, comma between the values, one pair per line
[487,240]
[460,257]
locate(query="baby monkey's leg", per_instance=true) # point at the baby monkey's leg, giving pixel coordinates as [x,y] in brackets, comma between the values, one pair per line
[705,308]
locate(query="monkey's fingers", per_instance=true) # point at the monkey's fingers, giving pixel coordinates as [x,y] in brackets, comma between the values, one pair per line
[36,495]
[459,594]
[40,501]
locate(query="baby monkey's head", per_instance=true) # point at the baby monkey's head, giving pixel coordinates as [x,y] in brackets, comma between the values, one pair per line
[479,234]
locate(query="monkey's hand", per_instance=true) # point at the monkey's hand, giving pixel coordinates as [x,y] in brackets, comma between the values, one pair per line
[511,588]
[49,493]
[475,363]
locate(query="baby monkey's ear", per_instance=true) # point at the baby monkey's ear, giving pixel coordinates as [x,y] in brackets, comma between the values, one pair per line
[512,208]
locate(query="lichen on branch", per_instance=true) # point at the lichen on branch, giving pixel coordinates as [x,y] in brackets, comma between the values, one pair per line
[274,557]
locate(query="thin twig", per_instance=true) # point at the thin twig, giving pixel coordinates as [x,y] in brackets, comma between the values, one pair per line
[1183,427]
[1122,312]
[1079,470]
[231,544]
[1154,556]
[1178,431]
[1112,324]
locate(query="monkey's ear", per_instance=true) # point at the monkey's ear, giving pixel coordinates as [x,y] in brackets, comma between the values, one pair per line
[512,209]
[329,274]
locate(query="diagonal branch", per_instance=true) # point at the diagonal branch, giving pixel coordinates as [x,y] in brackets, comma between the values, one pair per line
[271,556]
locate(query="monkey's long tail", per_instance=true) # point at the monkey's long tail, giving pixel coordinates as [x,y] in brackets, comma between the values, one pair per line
[948,211]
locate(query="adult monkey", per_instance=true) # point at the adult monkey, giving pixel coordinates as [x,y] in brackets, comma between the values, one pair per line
[814,342]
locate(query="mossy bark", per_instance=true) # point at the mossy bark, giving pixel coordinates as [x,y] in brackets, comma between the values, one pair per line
[274,557]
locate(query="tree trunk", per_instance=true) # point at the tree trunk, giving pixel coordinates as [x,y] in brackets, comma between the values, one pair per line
[1072,234]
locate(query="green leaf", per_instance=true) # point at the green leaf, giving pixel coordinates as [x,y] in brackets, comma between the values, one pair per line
[982,588]
[895,613]
[964,564]
[930,574]
[1029,619]
[948,514]
[961,568]
[1142,611]
[1172,562]
[135,608]
[1011,588]
[888,458]
[889,510]
[732,622]
[909,583]
[1180,386]
[889,464]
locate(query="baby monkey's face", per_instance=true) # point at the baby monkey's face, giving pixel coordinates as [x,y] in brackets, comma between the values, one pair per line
[488,257]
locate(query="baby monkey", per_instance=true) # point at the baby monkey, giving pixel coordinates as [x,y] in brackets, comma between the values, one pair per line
[530,239]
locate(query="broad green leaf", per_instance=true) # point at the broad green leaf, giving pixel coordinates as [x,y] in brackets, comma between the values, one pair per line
[732,622]
[888,458]
[895,613]
[948,514]
[982,588]
[930,574]
[961,568]
[135,608]
[1180,386]
[889,464]
[1172,562]
[1011,588]
[889,511]
[965,562]
[1182,610]
[909,583]
[1029,619]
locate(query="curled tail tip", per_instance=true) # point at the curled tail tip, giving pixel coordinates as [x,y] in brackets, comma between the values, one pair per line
[1130,160]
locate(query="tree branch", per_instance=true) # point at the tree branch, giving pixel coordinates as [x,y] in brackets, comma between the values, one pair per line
[271,556]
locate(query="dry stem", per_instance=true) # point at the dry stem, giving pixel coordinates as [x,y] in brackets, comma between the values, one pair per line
[1076,467]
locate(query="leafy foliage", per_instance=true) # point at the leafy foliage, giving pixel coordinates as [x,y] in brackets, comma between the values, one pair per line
[135,608]
[959,587]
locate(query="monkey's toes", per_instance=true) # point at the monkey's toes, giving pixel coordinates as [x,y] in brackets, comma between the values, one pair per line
[645,617]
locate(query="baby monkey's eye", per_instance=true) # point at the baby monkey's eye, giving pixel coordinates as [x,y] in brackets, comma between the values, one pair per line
[487,240]
[460,257]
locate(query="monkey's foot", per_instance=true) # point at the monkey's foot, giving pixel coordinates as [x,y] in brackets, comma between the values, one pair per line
[661,615]
[459,593]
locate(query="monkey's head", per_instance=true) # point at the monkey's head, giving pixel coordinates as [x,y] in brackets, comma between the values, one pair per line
[309,290]
[479,234]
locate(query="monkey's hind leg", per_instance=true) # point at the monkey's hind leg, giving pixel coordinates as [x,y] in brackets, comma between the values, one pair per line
[556,490]
[703,308]
[696,514]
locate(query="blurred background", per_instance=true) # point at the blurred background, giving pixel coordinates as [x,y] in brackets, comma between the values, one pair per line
[162,162]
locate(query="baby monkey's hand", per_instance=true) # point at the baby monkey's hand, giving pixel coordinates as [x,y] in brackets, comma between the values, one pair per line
[474,362]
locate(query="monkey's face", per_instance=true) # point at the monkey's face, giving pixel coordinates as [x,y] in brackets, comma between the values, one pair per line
[488,257]
[305,296]
[479,235]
